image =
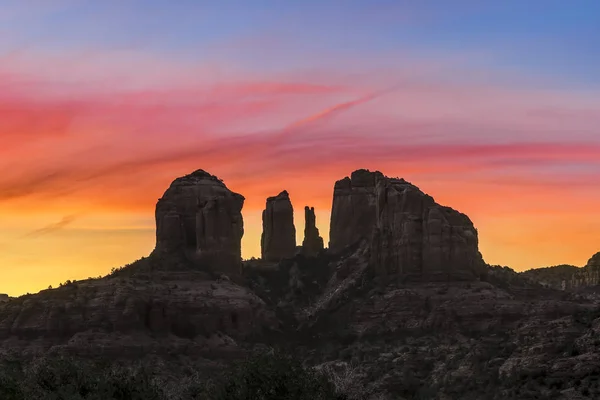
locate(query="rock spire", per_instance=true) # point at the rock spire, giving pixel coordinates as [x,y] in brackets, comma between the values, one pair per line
[278,240]
[313,242]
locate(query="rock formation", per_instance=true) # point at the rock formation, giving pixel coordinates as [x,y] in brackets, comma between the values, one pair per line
[201,216]
[353,212]
[586,276]
[278,240]
[408,233]
[416,236]
[501,337]
[313,242]
[594,261]
[4,298]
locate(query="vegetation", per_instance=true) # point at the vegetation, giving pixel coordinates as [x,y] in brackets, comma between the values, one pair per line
[552,276]
[261,377]
[274,377]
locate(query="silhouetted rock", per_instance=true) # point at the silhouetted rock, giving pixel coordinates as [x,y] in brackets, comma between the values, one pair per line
[586,276]
[416,236]
[353,213]
[313,242]
[201,216]
[278,240]
[501,337]
[594,261]
[4,298]
[408,233]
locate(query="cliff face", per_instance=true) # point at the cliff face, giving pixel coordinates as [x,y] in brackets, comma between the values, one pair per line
[409,234]
[200,216]
[415,236]
[353,212]
[278,240]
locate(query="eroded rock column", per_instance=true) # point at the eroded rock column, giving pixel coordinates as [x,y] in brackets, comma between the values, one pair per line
[313,242]
[353,210]
[278,240]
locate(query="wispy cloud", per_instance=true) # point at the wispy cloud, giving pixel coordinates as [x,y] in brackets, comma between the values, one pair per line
[87,140]
[54,227]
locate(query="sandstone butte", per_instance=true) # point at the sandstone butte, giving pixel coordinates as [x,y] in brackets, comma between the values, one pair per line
[278,240]
[408,234]
[200,216]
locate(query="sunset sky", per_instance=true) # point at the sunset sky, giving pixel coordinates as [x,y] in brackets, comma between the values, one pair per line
[492,107]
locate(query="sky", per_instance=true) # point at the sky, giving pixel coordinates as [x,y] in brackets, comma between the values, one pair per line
[493,108]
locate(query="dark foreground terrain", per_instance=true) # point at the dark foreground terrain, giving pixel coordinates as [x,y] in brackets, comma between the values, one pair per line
[400,306]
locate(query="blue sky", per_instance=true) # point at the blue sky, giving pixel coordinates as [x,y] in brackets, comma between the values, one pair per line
[558,40]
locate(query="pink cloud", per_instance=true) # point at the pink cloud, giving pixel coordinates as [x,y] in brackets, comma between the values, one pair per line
[68,131]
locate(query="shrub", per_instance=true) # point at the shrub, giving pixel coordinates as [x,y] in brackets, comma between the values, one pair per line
[272,377]
[62,378]
[261,377]
[346,379]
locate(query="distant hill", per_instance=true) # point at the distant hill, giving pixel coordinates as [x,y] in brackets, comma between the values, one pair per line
[555,276]
[568,277]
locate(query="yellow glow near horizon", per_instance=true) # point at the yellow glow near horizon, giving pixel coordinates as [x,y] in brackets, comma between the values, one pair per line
[91,245]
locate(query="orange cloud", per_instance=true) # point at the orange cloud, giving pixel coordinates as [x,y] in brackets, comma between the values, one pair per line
[64,222]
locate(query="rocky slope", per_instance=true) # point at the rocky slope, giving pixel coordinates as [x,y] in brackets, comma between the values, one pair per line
[128,315]
[402,300]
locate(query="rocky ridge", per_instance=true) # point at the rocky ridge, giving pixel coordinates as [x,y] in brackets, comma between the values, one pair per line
[588,275]
[568,277]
